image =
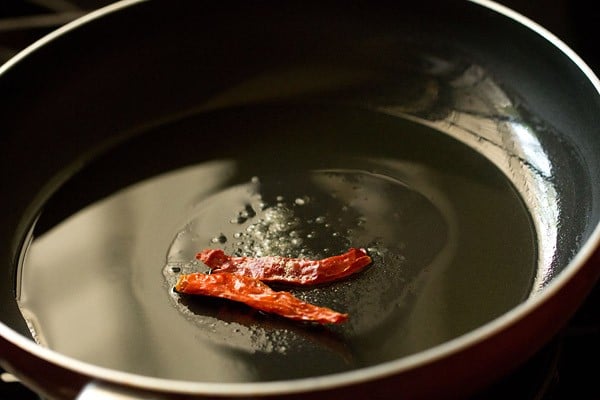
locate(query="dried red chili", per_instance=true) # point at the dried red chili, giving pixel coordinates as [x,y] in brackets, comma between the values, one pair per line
[290,270]
[256,294]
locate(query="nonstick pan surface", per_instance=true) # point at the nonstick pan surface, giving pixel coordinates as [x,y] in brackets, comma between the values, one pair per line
[440,151]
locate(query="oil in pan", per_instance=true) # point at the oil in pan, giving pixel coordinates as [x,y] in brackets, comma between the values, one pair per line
[452,243]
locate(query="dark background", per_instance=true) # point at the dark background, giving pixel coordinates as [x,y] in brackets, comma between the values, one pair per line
[575,22]
[567,368]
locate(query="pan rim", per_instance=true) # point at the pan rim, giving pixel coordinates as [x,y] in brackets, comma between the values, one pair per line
[324,382]
[332,381]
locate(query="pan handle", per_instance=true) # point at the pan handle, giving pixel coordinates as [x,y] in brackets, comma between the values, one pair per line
[103,391]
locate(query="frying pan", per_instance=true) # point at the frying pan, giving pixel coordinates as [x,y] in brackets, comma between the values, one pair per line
[457,142]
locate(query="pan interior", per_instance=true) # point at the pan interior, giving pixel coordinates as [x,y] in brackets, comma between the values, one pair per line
[452,242]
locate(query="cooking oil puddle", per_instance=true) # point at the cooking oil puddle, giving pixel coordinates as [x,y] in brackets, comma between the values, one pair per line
[324,213]
[451,241]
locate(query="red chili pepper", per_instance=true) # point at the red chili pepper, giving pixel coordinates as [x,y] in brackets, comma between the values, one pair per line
[256,294]
[290,270]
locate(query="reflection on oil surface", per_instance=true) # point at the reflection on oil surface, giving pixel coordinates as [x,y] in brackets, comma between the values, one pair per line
[473,108]
[452,242]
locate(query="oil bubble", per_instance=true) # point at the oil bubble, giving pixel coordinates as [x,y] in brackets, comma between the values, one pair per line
[219,239]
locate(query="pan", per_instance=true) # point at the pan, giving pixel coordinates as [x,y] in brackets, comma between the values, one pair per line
[455,143]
